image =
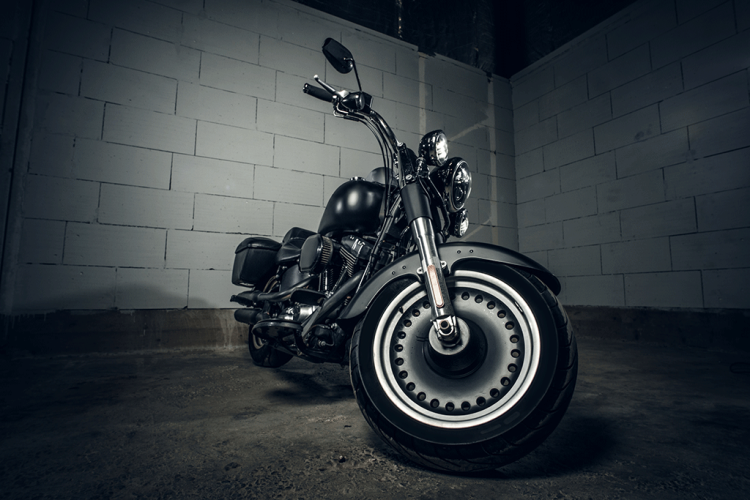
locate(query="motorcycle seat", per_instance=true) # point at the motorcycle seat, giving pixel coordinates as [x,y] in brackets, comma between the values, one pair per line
[291,245]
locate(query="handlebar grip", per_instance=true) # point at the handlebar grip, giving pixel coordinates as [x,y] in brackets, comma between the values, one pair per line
[321,94]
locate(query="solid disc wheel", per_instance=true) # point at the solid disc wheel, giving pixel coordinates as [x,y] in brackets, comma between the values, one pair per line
[265,355]
[514,392]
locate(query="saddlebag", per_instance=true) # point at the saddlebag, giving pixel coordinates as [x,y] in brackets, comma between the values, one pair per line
[254,261]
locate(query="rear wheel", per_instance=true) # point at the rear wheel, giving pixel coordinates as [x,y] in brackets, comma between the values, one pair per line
[492,407]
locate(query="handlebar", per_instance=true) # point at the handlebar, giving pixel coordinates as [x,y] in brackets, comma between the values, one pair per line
[318,93]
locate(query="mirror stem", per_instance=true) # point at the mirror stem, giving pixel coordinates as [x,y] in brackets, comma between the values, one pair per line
[354,65]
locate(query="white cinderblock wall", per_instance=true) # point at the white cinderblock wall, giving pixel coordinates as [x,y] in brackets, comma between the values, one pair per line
[159,133]
[633,158]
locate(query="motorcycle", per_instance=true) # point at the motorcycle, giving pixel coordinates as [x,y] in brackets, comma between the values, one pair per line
[460,355]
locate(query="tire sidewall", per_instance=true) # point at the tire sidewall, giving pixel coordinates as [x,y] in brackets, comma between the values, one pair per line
[511,418]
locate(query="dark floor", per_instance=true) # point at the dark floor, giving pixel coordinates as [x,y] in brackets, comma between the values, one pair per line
[646,421]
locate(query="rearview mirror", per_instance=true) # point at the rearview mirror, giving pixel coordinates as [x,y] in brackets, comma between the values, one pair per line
[338,55]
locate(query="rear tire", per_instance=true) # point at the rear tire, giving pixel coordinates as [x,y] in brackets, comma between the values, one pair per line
[484,420]
[264,355]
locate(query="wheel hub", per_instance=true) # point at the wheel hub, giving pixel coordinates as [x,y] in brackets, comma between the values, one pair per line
[457,359]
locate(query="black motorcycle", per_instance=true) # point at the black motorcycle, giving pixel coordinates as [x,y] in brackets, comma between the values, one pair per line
[460,355]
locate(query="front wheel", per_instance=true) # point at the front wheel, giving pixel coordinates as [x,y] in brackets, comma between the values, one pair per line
[503,400]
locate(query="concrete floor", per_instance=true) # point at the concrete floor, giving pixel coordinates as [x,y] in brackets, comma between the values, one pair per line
[646,421]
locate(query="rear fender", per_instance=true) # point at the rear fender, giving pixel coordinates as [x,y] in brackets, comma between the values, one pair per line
[459,255]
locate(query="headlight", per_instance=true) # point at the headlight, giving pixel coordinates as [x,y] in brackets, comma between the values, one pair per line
[434,148]
[454,180]
[459,224]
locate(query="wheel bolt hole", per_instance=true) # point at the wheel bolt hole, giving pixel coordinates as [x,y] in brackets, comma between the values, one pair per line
[501,314]
[434,403]
[505,381]
[509,325]
[399,348]
[466,406]
[495,393]
[515,353]
[410,386]
[481,401]
[490,305]
[465,296]
[399,361]
[421,396]
[478,299]
[401,335]
[512,368]
[415,312]
[407,323]
[450,406]
[514,339]
[403,374]
[426,305]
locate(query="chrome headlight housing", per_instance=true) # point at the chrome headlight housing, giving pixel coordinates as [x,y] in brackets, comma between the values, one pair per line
[459,224]
[454,181]
[434,148]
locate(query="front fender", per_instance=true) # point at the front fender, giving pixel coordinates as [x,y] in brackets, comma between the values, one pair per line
[455,255]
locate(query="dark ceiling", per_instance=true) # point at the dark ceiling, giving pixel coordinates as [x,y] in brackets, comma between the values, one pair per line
[497,36]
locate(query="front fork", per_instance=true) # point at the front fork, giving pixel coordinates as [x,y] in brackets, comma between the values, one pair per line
[443,316]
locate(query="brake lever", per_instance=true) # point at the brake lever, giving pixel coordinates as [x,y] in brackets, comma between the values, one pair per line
[324,85]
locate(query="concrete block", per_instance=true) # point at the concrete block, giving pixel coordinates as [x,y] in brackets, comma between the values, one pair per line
[504,142]
[542,237]
[105,162]
[726,289]
[471,133]
[232,215]
[214,105]
[102,245]
[76,8]
[58,72]
[531,213]
[709,175]
[290,58]
[151,288]
[725,210]
[530,163]
[564,97]
[60,114]
[65,287]
[536,136]
[480,186]
[194,174]
[237,76]
[742,11]
[595,290]
[592,230]
[76,36]
[490,213]
[589,172]
[717,61]
[470,82]
[287,215]
[661,219]
[649,89]
[408,62]
[503,119]
[346,134]
[138,16]
[145,207]
[371,78]
[721,134]
[638,256]
[580,60]
[502,190]
[568,150]
[155,56]
[505,165]
[52,154]
[538,186]
[201,250]
[275,184]
[634,191]
[453,104]
[664,290]
[578,261]
[296,154]
[400,89]
[148,129]
[356,163]
[624,68]
[41,242]
[283,119]
[694,35]
[206,35]
[305,29]
[656,21]
[60,199]
[710,100]
[190,6]
[627,129]
[533,86]
[540,257]
[526,116]
[502,92]
[688,9]
[254,15]
[661,151]
[405,117]
[571,205]
[235,144]
[289,91]
[503,236]
[211,290]
[715,250]
[106,82]
[585,116]
[369,50]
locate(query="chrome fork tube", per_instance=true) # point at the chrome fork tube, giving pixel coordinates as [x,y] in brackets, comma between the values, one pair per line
[443,316]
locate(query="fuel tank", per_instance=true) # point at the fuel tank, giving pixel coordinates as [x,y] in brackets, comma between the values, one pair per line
[353,208]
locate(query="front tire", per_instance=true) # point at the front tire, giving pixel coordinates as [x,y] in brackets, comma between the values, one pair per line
[489,417]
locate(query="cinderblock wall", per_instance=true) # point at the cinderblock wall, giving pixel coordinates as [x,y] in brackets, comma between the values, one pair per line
[633,158]
[157,134]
